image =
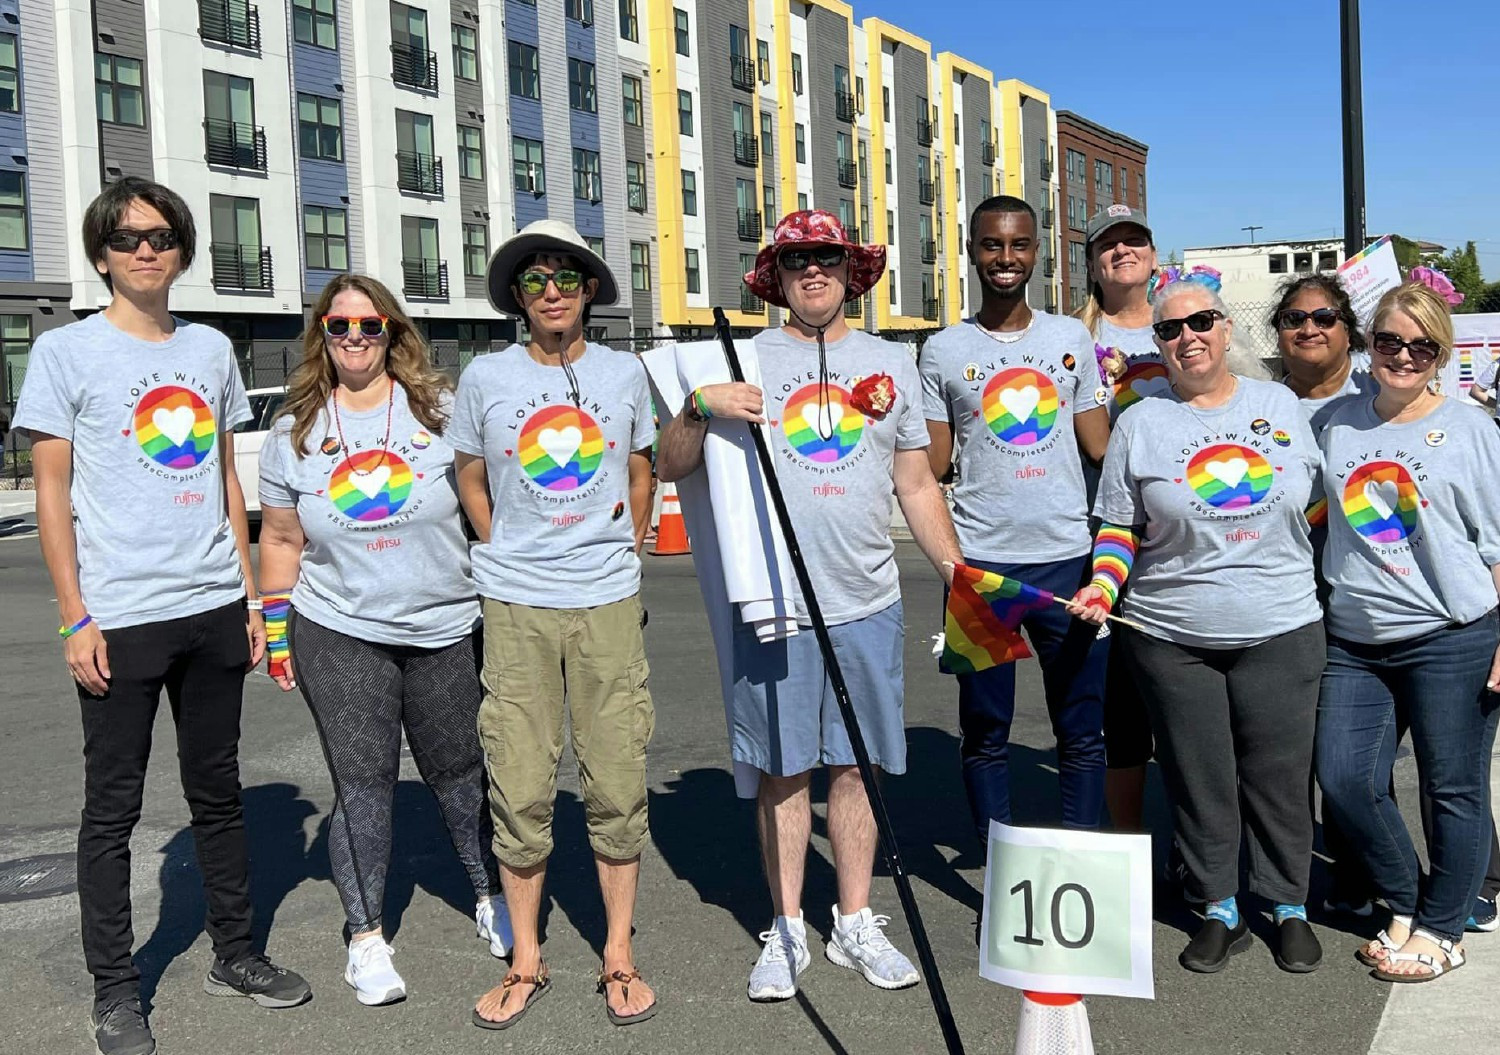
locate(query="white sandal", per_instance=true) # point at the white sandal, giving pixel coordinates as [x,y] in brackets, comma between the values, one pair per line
[1387,945]
[1453,959]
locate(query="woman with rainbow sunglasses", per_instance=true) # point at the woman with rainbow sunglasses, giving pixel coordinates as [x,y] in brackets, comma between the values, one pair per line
[366,572]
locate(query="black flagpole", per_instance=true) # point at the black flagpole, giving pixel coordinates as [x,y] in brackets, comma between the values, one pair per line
[846,709]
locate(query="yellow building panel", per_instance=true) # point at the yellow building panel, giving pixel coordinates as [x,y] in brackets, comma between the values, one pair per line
[671,262]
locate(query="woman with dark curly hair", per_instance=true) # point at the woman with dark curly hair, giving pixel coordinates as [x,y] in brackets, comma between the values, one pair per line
[1317,334]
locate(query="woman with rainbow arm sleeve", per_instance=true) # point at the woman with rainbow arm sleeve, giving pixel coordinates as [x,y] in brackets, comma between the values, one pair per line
[1412,561]
[1201,507]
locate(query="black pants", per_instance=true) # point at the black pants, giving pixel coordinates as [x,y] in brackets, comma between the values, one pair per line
[1234,738]
[200,660]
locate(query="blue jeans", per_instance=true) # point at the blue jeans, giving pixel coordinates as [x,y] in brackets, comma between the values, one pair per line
[1073,659]
[1436,684]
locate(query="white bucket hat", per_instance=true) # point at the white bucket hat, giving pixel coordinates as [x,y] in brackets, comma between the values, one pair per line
[544,236]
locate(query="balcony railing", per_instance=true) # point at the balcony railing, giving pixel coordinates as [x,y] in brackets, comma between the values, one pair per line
[749,225]
[845,107]
[742,72]
[930,309]
[848,172]
[924,132]
[1049,266]
[852,232]
[750,303]
[414,67]
[231,22]
[852,308]
[1051,302]
[929,251]
[987,153]
[234,144]
[427,279]
[926,191]
[635,197]
[238,266]
[1047,218]
[419,173]
[1046,168]
[746,148]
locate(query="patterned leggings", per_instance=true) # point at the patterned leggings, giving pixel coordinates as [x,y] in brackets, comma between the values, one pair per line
[361,695]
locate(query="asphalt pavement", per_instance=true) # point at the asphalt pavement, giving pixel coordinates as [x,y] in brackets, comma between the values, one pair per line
[702,900]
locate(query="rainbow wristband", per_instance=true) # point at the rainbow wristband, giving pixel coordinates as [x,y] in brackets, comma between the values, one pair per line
[701,404]
[276,608]
[66,632]
[1114,554]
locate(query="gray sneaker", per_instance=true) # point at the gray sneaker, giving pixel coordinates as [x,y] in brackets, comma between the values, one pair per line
[782,959]
[863,947]
[120,1028]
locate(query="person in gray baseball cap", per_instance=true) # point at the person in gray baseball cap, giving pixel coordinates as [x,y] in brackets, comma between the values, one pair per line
[553,457]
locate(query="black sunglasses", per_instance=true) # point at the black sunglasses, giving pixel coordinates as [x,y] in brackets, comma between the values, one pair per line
[128,240]
[1198,322]
[824,257]
[1135,241]
[1293,318]
[1421,350]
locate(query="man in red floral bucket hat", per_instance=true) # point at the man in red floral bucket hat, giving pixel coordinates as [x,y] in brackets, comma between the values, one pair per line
[843,412]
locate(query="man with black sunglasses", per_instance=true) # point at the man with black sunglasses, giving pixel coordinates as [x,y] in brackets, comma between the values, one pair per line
[1020,391]
[131,415]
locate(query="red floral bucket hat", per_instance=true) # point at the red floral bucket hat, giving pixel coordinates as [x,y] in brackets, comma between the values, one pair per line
[814,227]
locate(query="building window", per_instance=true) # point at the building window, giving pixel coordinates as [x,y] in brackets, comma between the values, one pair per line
[1075,257]
[767,133]
[314,22]
[527,171]
[891,285]
[694,279]
[587,175]
[890,167]
[684,112]
[465,53]
[864,161]
[10,84]
[13,230]
[15,351]
[420,258]
[635,109]
[630,25]
[581,94]
[635,185]
[689,192]
[800,135]
[325,238]
[801,201]
[1301,262]
[476,249]
[640,267]
[859,94]
[763,60]
[1124,182]
[597,245]
[470,152]
[117,87]
[1328,260]
[885,102]
[680,28]
[796,73]
[525,73]
[235,242]
[1077,166]
[768,196]
[320,132]
[580,11]
[1276,263]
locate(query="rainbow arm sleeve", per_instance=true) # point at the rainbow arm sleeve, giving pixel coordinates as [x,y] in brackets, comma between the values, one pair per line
[1317,513]
[278,650]
[1114,553]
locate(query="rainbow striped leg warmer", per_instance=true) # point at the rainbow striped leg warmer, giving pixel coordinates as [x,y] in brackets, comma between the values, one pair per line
[278,649]
[1114,553]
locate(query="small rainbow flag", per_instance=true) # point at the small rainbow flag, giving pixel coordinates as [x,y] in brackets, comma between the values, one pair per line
[983,622]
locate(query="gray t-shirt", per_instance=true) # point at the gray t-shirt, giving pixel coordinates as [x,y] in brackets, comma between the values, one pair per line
[386,558]
[836,467]
[1358,383]
[144,418]
[1413,520]
[1226,560]
[562,534]
[1020,497]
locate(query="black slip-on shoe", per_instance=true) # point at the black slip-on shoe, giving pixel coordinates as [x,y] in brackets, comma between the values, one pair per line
[1297,947]
[1213,945]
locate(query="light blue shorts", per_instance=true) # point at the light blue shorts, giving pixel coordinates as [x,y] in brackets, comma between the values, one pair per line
[783,716]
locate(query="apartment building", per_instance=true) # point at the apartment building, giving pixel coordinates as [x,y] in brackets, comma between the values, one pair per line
[1029,135]
[1101,167]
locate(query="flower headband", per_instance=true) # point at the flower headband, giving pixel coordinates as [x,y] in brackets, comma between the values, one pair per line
[1438,282]
[1199,273]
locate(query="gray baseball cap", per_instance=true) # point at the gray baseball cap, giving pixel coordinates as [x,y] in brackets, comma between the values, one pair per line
[544,236]
[1113,216]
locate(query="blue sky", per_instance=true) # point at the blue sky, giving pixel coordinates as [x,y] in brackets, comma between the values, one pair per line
[1240,105]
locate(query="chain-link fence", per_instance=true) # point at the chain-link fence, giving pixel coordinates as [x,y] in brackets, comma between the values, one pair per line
[1253,334]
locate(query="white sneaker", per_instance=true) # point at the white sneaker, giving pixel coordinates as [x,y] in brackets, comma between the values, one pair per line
[370,972]
[862,946]
[492,923]
[783,958]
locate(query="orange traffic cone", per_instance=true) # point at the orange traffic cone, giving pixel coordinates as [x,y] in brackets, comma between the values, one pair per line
[1053,1024]
[671,529]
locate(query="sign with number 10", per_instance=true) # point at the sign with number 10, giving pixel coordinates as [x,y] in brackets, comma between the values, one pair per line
[1067,912]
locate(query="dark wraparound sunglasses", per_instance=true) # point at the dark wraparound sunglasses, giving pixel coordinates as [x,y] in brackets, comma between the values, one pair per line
[128,240]
[369,326]
[1135,241]
[824,257]
[534,283]
[1421,350]
[1293,318]
[1198,322]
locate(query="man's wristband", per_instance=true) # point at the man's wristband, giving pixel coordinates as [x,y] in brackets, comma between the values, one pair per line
[255,604]
[66,632]
[697,407]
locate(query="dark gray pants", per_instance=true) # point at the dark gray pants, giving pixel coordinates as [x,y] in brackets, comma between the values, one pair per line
[1234,737]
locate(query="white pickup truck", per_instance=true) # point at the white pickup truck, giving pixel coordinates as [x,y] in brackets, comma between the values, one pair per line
[265,406]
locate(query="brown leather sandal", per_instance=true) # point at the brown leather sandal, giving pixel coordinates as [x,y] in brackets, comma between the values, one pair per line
[624,978]
[541,982]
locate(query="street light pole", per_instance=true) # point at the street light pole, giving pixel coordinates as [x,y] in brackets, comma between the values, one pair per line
[1354,130]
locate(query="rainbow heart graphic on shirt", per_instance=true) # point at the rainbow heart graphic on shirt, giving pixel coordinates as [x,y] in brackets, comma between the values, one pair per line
[1229,476]
[822,428]
[174,427]
[1143,377]
[372,485]
[1020,406]
[1380,501]
[561,448]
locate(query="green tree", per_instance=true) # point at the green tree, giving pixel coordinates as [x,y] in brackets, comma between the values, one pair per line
[1462,268]
[1408,255]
